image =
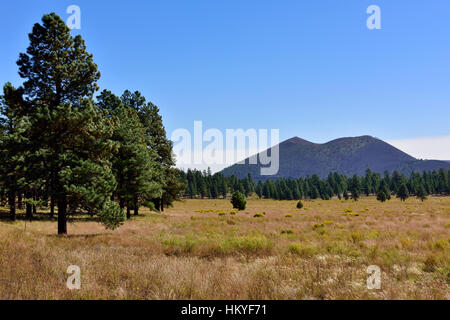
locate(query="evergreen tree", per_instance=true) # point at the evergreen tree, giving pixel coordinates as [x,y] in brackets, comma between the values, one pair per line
[442,184]
[368,183]
[238,200]
[259,189]
[403,192]
[12,142]
[134,165]
[381,196]
[71,147]
[421,194]
[355,187]
[385,189]
[156,139]
[345,194]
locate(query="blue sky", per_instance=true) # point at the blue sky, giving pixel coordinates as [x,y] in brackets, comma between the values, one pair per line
[309,68]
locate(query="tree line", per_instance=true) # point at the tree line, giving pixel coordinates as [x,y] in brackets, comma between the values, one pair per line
[203,184]
[61,146]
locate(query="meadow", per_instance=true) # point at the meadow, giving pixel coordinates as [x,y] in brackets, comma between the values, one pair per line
[202,249]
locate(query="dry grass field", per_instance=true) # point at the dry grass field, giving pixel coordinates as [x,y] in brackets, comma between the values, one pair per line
[319,252]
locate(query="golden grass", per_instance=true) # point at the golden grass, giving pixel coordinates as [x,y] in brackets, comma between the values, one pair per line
[194,251]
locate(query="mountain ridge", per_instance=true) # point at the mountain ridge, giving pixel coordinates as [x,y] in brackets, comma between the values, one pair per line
[347,155]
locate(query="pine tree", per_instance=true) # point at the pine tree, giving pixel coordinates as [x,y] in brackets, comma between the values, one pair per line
[156,139]
[385,189]
[134,165]
[70,146]
[259,189]
[403,192]
[381,196]
[12,143]
[355,187]
[345,194]
[421,194]
[238,200]
[442,182]
[368,182]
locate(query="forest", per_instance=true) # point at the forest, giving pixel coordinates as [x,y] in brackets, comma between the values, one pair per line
[203,184]
[61,146]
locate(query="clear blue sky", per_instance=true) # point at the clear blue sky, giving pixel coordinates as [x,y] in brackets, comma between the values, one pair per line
[310,68]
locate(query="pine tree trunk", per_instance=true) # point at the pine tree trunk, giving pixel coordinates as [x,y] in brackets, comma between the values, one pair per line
[20,201]
[34,207]
[162,205]
[29,211]
[156,203]
[12,204]
[52,207]
[62,216]
[136,205]
[128,211]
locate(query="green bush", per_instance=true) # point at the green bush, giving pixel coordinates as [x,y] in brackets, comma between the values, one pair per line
[301,250]
[299,204]
[238,200]
[321,225]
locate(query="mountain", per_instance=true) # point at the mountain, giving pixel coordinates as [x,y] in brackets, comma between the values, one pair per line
[349,156]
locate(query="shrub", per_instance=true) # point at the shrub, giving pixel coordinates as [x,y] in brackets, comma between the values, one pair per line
[439,244]
[429,264]
[299,204]
[238,200]
[299,249]
[321,225]
[289,215]
[233,212]
[356,236]
[258,215]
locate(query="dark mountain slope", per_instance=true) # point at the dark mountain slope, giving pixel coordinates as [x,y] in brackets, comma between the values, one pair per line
[299,158]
